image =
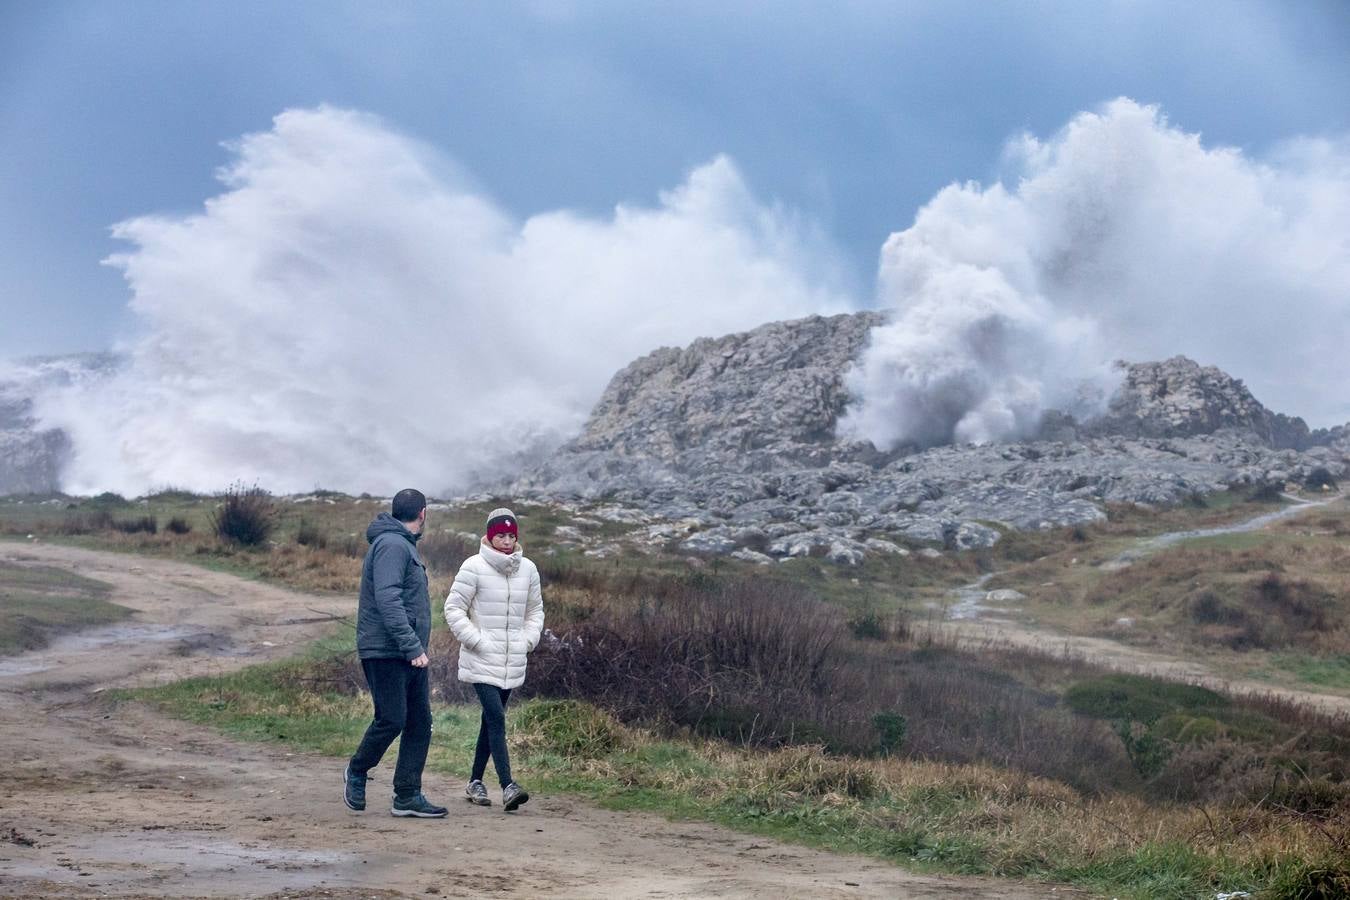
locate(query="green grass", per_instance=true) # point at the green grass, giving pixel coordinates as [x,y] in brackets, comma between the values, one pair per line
[1321,671]
[961,825]
[37,603]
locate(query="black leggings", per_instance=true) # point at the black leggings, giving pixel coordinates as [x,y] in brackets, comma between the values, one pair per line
[492,733]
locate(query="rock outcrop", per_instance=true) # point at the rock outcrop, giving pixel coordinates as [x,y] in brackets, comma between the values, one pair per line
[1180,398]
[735,437]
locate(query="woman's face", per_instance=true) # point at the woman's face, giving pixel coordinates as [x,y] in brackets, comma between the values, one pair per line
[505,542]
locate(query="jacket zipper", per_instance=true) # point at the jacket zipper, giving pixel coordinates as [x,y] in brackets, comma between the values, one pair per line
[506,659]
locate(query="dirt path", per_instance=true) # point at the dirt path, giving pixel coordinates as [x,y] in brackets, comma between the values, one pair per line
[104,799]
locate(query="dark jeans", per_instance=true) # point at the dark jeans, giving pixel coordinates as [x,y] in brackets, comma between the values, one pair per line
[492,733]
[402,696]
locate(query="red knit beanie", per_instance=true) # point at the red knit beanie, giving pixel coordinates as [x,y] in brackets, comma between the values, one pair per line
[501,521]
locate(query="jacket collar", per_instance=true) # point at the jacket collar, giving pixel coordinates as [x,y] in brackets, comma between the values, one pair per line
[506,563]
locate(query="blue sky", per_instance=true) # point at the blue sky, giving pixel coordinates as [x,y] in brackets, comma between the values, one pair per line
[853,114]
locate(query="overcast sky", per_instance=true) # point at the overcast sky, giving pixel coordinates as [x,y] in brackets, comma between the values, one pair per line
[854,115]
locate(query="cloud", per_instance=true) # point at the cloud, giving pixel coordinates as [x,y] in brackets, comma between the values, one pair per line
[1120,237]
[353,312]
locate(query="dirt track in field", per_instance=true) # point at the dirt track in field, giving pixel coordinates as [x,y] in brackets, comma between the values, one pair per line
[997,632]
[990,627]
[113,799]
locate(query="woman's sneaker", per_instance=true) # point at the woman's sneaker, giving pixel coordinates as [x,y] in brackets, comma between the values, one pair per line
[476,792]
[513,795]
[417,805]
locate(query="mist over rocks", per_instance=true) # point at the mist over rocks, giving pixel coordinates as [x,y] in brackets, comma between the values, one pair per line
[738,435]
[31,457]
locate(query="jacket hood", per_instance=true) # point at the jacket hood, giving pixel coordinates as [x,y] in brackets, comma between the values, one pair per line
[384,523]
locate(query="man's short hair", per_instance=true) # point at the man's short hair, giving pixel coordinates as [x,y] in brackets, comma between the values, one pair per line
[408,504]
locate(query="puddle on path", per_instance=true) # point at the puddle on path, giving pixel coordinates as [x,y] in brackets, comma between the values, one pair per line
[64,647]
[969,600]
[165,856]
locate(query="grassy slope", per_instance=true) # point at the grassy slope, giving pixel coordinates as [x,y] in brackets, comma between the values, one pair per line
[1273,603]
[952,818]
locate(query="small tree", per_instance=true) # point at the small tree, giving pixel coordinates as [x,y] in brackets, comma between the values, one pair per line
[891,729]
[245,516]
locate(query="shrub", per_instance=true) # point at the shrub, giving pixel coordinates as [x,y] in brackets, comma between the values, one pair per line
[178,525]
[1147,751]
[867,626]
[146,524]
[1137,698]
[309,535]
[1318,479]
[86,523]
[1133,704]
[771,666]
[245,516]
[172,495]
[1268,492]
[352,546]
[1317,798]
[1184,728]
[1208,608]
[1300,604]
[444,553]
[747,659]
[891,728]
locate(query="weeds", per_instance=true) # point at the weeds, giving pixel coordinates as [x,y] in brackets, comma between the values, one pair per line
[245,516]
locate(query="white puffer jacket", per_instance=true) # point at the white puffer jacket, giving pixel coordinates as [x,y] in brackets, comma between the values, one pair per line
[496,610]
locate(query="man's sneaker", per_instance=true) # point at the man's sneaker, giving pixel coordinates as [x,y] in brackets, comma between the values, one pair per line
[513,795]
[417,805]
[354,791]
[475,792]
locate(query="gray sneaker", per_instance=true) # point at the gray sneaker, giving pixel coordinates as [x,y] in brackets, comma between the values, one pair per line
[513,796]
[476,792]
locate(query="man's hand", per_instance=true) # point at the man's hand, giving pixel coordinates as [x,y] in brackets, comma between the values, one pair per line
[420,662]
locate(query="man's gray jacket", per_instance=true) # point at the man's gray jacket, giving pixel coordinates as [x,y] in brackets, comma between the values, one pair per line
[393,618]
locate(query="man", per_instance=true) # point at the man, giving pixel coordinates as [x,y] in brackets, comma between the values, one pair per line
[393,627]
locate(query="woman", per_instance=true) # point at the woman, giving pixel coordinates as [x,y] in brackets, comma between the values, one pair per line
[496,610]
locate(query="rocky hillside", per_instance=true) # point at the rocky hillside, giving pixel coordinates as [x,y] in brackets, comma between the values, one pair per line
[764,398]
[734,437]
